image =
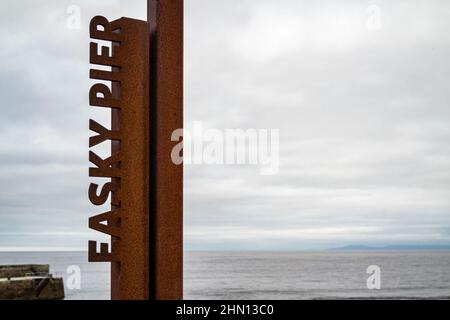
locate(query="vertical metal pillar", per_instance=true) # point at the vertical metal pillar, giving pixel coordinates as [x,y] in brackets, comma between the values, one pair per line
[145,221]
[165,19]
[127,222]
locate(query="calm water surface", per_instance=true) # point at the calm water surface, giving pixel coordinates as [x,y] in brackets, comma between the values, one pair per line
[275,275]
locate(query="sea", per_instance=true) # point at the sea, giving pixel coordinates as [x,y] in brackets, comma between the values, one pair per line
[272,275]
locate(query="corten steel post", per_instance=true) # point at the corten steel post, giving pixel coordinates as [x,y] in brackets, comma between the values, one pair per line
[165,19]
[146,188]
[128,220]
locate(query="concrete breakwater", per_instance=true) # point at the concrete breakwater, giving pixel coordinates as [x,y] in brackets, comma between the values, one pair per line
[29,282]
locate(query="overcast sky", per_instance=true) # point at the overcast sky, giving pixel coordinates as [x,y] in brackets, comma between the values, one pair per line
[363,112]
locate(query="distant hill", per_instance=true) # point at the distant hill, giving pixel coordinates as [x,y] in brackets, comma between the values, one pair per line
[392,247]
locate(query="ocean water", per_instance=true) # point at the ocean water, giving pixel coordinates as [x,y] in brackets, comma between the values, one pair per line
[316,275]
[275,275]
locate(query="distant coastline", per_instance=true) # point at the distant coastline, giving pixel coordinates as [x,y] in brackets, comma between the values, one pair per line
[391,247]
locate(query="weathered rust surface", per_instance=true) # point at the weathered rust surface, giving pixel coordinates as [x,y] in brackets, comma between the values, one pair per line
[115,147]
[127,169]
[145,187]
[166,178]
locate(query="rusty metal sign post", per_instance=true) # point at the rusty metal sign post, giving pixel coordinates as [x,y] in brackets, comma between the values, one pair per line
[144,186]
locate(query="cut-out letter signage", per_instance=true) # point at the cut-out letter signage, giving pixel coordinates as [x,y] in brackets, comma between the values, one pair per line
[122,87]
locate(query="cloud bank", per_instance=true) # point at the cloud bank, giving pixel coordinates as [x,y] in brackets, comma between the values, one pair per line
[363,116]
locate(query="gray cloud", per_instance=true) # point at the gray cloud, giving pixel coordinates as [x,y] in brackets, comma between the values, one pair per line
[363,117]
